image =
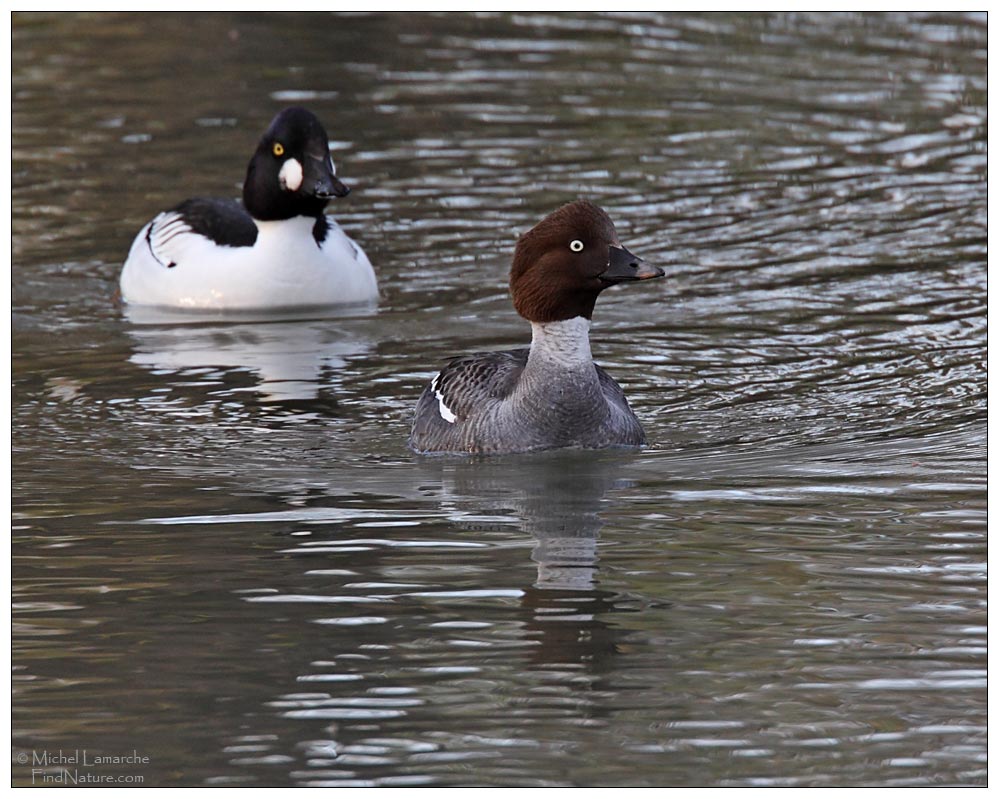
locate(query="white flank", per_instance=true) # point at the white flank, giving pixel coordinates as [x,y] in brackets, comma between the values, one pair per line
[283,269]
[445,411]
[290,175]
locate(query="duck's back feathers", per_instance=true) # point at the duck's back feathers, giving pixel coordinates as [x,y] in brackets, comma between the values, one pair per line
[467,388]
[472,382]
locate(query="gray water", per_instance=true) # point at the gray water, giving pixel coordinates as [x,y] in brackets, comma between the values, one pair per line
[225,560]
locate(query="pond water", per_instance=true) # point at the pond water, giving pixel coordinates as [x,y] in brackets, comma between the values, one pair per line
[226,561]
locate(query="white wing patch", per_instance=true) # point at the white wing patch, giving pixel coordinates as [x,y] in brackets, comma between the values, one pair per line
[445,411]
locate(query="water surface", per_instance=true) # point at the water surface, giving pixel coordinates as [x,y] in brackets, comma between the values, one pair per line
[225,558]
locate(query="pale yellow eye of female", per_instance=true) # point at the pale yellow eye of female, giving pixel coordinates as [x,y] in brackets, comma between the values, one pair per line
[576,245]
[278,149]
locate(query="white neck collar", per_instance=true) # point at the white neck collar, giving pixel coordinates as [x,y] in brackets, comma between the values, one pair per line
[566,343]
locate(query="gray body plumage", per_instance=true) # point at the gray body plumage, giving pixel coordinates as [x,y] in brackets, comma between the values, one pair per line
[549,396]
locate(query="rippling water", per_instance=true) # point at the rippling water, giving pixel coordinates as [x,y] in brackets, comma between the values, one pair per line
[225,558]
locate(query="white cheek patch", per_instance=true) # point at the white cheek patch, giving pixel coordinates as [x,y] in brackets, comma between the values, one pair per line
[291,175]
[445,411]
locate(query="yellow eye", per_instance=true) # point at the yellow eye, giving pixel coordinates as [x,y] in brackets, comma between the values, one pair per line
[278,149]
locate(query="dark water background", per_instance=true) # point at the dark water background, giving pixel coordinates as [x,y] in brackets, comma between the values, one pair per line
[224,557]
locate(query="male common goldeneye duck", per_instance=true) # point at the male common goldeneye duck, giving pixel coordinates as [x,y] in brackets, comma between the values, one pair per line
[552,394]
[278,249]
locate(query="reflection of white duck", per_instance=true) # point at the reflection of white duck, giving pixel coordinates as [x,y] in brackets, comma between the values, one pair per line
[288,356]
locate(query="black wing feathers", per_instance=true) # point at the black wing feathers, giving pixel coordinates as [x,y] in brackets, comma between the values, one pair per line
[225,222]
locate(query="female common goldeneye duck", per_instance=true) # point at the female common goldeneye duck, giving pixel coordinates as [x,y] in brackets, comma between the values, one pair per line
[278,250]
[552,394]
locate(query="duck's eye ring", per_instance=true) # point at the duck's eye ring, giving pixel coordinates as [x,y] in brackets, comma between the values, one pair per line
[278,149]
[576,245]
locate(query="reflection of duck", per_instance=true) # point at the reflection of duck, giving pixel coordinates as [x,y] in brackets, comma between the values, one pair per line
[287,356]
[558,496]
[278,249]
